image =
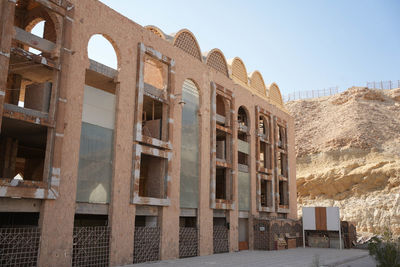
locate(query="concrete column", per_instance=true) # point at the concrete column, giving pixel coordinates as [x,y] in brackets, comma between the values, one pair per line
[253,174]
[57,216]
[7,11]
[234,214]
[205,212]
[292,170]
[122,213]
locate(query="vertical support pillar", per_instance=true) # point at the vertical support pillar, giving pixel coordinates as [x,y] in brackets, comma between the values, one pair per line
[7,11]
[205,212]
[122,213]
[291,163]
[170,214]
[234,212]
[57,216]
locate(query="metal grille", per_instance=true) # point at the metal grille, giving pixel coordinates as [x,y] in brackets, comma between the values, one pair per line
[146,244]
[221,241]
[261,235]
[188,242]
[239,70]
[19,246]
[187,43]
[257,83]
[299,234]
[91,246]
[217,61]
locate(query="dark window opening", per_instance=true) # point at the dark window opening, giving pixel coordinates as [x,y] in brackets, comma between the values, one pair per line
[220,221]
[266,193]
[26,92]
[243,158]
[152,117]
[242,136]
[221,112]
[85,220]
[283,193]
[221,145]
[22,150]
[265,155]
[143,221]
[152,176]
[188,222]
[282,164]
[242,117]
[18,219]
[263,126]
[220,188]
[282,137]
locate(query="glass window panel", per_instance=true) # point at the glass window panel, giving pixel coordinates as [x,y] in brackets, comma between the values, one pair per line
[244,191]
[189,181]
[95,164]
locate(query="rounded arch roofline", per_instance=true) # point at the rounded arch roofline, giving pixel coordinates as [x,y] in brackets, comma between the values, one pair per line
[271,93]
[156,31]
[216,50]
[253,76]
[230,67]
[176,35]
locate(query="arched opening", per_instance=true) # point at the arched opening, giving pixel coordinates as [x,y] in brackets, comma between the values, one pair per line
[243,144]
[221,110]
[264,157]
[101,50]
[37,30]
[98,122]
[155,78]
[242,117]
[29,95]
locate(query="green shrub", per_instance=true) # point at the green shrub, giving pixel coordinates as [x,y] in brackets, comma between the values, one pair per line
[385,250]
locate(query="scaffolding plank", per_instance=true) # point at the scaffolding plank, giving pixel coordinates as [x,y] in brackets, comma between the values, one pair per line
[34,41]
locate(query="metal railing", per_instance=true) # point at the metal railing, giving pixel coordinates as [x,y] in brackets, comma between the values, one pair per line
[19,246]
[221,239]
[188,242]
[381,85]
[384,85]
[91,246]
[146,244]
[311,94]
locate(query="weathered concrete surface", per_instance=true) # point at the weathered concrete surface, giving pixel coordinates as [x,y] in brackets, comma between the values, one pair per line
[291,257]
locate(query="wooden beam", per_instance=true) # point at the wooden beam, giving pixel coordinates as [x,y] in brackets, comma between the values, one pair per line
[34,41]
[27,115]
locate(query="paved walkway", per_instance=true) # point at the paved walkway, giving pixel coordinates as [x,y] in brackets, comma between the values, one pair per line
[291,257]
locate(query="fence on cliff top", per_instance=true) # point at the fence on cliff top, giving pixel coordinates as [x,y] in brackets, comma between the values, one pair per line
[382,85]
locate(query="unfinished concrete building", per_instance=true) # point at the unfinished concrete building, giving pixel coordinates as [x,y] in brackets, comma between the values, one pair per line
[172,153]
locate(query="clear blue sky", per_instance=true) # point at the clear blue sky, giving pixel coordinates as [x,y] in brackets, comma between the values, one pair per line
[301,45]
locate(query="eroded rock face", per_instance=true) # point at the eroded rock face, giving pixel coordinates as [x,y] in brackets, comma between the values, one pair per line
[348,155]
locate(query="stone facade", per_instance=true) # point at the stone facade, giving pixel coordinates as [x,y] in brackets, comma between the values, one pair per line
[245,161]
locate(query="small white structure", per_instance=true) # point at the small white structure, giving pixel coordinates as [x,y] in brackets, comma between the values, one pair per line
[321,219]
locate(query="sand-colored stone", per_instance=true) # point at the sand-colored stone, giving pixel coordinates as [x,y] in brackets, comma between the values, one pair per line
[348,155]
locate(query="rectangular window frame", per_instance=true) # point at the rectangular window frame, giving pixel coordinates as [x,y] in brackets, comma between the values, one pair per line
[165,98]
[135,197]
[262,172]
[227,164]
[282,149]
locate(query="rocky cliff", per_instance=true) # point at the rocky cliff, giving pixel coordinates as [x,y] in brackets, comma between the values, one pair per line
[348,155]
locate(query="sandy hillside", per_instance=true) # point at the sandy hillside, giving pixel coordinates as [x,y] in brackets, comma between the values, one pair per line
[348,155]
